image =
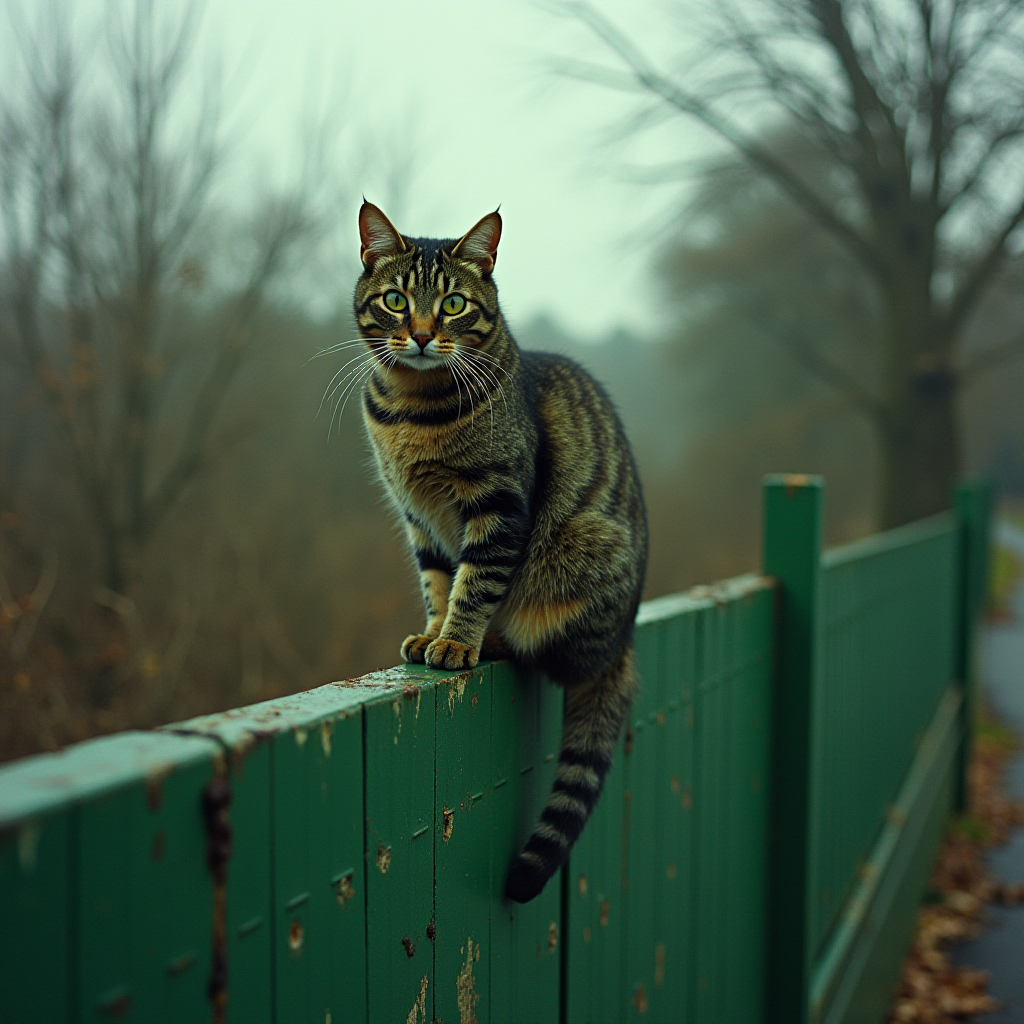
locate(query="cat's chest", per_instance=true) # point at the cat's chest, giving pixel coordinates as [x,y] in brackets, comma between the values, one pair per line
[423,488]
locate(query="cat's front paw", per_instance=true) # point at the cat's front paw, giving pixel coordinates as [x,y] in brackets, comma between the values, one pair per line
[414,648]
[450,654]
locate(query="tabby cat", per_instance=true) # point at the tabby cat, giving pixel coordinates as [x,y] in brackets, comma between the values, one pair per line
[520,498]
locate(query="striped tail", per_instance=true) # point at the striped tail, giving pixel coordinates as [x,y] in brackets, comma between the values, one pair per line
[594,713]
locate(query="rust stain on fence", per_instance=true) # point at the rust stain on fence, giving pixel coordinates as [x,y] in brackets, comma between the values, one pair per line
[466,987]
[117,1004]
[346,890]
[155,787]
[217,796]
[640,1000]
[418,1013]
[456,691]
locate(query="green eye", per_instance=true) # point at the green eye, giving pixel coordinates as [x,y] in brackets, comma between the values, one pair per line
[453,304]
[395,301]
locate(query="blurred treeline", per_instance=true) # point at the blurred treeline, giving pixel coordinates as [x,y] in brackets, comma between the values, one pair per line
[179,531]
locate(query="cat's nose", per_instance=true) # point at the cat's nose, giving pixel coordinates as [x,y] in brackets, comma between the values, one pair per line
[423,338]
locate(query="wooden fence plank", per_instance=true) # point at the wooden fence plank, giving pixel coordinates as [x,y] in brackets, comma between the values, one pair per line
[318,929]
[792,555]
[462,811]
[747,683]
[675,803]
[250,887]
[643,844]
[400,834]
[596,918]
[524,966]
[710,797]
[35,870]
[145,899]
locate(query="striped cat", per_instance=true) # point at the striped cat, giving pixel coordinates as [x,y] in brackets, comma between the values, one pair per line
[520,499]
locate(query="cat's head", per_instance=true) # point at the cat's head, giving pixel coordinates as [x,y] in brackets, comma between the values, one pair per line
[422,301]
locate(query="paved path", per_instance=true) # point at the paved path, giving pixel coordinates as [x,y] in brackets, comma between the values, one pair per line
[1000,948]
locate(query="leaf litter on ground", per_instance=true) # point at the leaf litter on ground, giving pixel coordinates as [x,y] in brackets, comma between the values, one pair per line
[931,989]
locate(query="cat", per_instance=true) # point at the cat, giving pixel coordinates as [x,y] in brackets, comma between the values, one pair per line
[520,498]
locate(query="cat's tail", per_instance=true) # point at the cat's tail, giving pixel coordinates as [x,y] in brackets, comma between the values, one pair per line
[594,713]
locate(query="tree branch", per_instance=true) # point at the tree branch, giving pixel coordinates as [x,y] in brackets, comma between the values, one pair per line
[289,227]
[653,81]
[867,104]
[971,290]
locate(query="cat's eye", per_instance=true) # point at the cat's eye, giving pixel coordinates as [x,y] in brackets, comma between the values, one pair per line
[395,301]
[453,304]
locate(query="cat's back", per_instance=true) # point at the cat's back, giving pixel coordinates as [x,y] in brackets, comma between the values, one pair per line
[584,453]
[565,395]
[569,403]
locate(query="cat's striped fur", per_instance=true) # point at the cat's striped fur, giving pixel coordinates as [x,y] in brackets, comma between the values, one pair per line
[520,497]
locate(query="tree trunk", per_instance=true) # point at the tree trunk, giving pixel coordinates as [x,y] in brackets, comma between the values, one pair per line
[920,450]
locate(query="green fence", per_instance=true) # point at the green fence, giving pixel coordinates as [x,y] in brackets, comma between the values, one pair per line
[339,855]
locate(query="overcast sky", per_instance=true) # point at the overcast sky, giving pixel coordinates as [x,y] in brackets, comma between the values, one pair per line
[462,91]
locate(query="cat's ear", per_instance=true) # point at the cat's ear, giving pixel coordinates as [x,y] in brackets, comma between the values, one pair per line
[479,245]
[377,235]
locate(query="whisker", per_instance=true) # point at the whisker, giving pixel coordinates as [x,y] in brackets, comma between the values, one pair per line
[353,374]
[463,371]
[483,368]
[335,377]
[366,376]
[458,385]
[361,373]
[477,354]
[339,346]
[469,368]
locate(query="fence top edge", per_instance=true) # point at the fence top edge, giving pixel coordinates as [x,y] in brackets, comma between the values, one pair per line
[900,537]
[239,728]
[45,784]
[736,589]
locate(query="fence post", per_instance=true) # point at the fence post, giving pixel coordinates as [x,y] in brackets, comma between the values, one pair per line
[792,555]
[974,511]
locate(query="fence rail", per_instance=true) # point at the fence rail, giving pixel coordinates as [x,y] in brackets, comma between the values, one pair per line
[339,855]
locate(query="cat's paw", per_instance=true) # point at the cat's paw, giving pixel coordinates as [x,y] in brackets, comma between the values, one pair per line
[414,648]
[450,654]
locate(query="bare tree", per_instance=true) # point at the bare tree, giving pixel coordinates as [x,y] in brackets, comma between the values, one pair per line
[104,203]
[921,105]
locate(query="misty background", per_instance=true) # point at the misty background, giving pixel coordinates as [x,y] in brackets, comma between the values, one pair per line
[181,531]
